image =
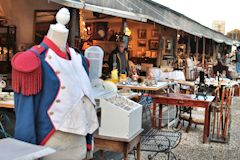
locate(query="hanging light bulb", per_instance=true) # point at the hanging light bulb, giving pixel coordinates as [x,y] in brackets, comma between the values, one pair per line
[128,32]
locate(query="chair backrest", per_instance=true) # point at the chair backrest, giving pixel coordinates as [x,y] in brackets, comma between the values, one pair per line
[202,77]
[226,96]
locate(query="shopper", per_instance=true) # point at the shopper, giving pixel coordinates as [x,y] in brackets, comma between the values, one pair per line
[119,59]
[238,60]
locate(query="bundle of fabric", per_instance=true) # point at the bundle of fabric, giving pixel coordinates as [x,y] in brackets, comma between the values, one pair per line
[159,75]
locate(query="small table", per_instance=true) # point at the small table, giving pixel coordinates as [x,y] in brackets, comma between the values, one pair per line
[118,144]
[13,149]
[7,104]
[187,100]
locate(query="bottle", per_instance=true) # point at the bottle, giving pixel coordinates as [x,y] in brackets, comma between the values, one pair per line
[114,72]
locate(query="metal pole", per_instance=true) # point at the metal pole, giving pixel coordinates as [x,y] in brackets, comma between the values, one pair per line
[74,31]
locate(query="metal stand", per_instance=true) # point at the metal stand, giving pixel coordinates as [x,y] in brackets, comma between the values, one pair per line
[5,121]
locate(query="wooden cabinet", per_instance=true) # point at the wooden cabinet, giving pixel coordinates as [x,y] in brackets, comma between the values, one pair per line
[7,50]
[7,42]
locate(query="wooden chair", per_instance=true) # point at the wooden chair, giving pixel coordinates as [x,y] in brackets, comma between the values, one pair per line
[189,114]
[193,116]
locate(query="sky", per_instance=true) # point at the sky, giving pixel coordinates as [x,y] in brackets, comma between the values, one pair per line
[205,11]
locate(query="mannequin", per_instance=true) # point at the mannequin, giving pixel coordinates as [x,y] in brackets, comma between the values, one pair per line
[58,33]
[52,95]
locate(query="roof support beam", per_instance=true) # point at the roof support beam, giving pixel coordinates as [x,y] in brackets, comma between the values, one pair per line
[74,31]
[176,43]
[214,50]
[203,51]
[188,45]
[197,46]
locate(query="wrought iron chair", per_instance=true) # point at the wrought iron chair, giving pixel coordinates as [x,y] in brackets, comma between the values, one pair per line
[158,141]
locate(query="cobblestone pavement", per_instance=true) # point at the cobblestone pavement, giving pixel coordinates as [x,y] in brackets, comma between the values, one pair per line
[192,148]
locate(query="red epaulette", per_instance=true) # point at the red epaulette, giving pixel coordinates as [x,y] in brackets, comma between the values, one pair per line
[39,49]
[27,73]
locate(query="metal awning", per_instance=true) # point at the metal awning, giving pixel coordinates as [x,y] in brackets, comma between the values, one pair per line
[143,10]
[101,9]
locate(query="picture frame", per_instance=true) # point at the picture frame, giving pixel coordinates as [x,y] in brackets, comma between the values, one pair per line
[142,33]
[142,43]
[153,44]
[155,33]
[42,21]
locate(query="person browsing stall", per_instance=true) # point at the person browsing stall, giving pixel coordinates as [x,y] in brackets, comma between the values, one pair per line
[119,59]
[219,67]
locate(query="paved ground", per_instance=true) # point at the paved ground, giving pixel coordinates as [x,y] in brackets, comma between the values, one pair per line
[192,148]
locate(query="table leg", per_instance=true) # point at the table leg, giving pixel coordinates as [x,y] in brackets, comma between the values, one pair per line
[209,120]
[139,151]
[160,117]
[154,115]
[125,154]
[101,155]
[206,122]
[239,90]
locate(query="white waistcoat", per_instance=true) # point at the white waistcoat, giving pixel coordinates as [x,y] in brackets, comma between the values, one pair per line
[73,108]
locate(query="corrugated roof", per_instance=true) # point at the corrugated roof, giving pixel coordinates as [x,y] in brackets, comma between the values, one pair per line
[143,10]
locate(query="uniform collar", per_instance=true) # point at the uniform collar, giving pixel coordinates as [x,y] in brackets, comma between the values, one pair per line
[55,48]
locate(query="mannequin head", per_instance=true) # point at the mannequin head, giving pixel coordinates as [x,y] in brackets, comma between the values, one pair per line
[62,18]
[58,32]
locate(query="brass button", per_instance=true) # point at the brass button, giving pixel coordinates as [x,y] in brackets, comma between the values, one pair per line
[57,72]
[58,100]
[63,87]
[51,113]
[49,57]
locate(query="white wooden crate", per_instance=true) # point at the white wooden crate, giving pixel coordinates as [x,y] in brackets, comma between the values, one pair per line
[117,121]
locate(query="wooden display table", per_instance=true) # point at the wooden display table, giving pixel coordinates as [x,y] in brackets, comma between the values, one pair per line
[118,144]
[186,100]
[160,85]
[5,120]
[7,104]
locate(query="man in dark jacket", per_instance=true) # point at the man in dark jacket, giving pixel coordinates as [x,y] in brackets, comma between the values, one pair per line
[221,68]
[238,60]
[119,59]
